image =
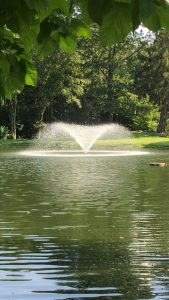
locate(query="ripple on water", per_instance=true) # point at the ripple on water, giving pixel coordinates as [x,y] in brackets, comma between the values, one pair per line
[83,228]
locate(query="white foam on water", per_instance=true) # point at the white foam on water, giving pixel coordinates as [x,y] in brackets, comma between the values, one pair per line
[61,153]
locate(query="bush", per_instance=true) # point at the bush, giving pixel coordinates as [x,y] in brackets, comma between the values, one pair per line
[140,113]
[4,132]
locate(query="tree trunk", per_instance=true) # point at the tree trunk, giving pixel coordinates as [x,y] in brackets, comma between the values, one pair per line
[111,105]
[13,105]
[163,115]
[41,114]
[109,77]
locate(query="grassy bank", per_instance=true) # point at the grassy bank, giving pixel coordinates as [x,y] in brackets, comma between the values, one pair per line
[138,139]
[151,140]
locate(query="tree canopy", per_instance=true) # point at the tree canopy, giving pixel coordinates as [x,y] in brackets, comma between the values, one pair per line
[50,24]
[125,83]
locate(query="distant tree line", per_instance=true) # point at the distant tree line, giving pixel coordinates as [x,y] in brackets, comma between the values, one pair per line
[126,83]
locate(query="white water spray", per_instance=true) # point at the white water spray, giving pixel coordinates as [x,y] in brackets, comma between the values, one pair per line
[84,135]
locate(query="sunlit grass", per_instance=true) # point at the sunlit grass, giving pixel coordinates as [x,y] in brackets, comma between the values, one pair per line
[140,140]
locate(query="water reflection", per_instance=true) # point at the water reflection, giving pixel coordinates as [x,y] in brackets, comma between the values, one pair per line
[83,228]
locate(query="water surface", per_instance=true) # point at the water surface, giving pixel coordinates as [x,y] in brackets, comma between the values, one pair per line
[84,227]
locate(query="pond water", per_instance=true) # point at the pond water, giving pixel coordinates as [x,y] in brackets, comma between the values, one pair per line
[84,227]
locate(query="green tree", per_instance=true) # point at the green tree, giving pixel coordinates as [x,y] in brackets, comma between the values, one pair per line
[112,94]
[60,86]
[95,84]
[153,75]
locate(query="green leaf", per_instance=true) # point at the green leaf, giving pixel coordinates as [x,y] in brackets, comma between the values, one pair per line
[163,14]
[52,5]
[80,29]
[38,5]
[24,22]
[98,8]
[135,15]
[15,82]
[45,30]
[117,24]
[2,90]
[28,36]
[31,75]
[123,1]
[22,18]
[4,64]
[153,22]
[67,43]
[7,34]
[83,4]
[8,91]
[159,16]
[58,4]
[47,46]
[145,8]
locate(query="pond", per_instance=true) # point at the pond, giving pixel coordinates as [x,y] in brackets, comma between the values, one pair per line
[84,227]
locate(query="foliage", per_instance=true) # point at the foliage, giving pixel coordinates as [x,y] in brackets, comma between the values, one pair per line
[60,85]
[16,68]
[125,83]
[152,76]
[51,24]
[139,113]
[93,85]
[3,132]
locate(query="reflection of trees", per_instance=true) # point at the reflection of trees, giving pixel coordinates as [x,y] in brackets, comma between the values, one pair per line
[106,226]
[150,227]
[94,265]
[106,265]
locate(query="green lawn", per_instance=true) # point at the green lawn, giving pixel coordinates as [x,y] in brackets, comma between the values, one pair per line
[153,140]
[137,139]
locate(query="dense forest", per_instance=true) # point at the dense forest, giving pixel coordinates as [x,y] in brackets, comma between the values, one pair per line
[125,83]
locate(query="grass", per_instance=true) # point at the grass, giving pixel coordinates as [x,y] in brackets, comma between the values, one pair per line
[151,140]
[138,139]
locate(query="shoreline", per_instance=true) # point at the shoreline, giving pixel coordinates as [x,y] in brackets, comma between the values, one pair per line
[137,140]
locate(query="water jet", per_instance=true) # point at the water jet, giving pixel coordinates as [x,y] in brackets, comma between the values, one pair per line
[84,135]
[53,138]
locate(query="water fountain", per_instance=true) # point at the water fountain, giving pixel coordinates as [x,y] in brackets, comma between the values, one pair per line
[85,136]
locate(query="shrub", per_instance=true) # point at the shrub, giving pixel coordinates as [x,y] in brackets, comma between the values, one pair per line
[4,132]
